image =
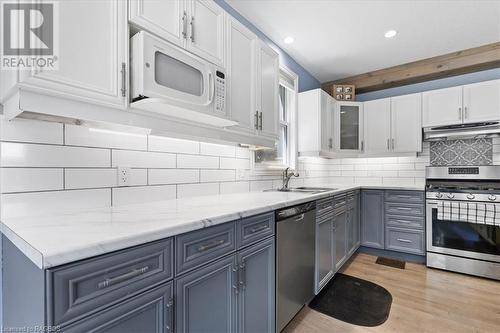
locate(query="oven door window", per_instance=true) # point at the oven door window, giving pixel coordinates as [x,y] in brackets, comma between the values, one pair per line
[177,75]
[451,232]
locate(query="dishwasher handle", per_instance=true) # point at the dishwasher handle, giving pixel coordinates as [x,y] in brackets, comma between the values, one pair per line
[295,211]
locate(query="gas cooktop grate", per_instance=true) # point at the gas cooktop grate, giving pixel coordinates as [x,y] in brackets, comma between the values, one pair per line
[471,212]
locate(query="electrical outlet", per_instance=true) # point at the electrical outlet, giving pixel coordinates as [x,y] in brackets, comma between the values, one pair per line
[242,174]
[124,176]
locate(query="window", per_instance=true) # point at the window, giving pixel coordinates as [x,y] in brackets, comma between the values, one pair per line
[283,155]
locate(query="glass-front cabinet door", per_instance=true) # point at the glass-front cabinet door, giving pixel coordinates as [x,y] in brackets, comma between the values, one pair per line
[349,120]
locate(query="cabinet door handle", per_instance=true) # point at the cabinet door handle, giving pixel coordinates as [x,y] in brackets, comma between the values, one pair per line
[235,277]
[170,308]
[192,29]
[392,144]
[466,113]
[210,245]
[256,120]
[242,277]
[184,25]
[388,144]
[124,79]
[299,218]
[330,143]
[362,145]
[460,113]
[121,278]
[402,240]
[260,120]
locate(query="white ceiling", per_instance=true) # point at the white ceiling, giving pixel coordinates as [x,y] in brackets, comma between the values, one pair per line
[339,38]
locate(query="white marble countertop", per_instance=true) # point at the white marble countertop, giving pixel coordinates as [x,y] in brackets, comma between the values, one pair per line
[55,239]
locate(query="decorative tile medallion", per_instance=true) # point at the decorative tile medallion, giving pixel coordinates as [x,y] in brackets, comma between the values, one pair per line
[462,152]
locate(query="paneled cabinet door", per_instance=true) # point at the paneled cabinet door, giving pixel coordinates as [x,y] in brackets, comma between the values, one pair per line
[206,30]
[167,19]
[256,309]
[150,312]
[482,101]
[356,221]
[406,123]
[442,107]
[92,53]
[267,90]
[241,72]
[372,218]
[205,299]
[325,253]
[327,109]
[340,224]
[377,126]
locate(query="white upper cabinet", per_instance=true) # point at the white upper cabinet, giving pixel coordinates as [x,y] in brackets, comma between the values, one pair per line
[349,127]
[206,30]
[167,19]
[482,101]
[92,54]
[267,90]
[442,107]
[406,123]
[377,127]
[242,73]
[316,123]
[197,25]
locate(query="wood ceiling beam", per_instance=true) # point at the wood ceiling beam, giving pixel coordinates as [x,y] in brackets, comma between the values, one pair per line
[451,64]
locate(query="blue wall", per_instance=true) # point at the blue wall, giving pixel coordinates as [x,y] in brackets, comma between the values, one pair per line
[458,80]
[306,80]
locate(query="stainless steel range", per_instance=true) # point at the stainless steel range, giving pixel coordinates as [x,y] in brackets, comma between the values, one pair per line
[463,219]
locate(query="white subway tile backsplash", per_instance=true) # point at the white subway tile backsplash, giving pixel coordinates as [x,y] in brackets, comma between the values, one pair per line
[34,203]
[208,176]
[260,185]
[368,180]
[26,130]
[383,173]
[34,155]
[411,173]
[398,181]
[31,179]
[192,190]
[243,152]
[139,159]
[173,176]
[400,166]
[234,163]
[89,137]
[197,162]
[351,173]
[234,187]
[96,178]
[217,150]
[171,145]
[142,194]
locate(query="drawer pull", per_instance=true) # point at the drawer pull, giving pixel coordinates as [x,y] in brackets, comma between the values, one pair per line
[404,208]
[259,228]
[404,221]
[402,240]
[121,278]
[211,245]
[326,208]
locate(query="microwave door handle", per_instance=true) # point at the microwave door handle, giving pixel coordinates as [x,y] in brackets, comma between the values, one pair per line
[211,84]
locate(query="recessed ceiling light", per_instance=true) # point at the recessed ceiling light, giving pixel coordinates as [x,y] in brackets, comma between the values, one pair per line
[390,33]
[288,40]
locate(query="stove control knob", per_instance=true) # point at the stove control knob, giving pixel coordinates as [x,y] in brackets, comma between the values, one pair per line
[492,197]
[439,195]
[470,196]
[451,195]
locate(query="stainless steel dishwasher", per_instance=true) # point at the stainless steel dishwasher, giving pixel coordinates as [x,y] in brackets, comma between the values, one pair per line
[294,260]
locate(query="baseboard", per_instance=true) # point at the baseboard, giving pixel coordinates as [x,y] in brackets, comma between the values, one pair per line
[393,255]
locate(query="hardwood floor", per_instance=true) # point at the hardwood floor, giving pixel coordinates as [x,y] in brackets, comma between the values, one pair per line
[424,300]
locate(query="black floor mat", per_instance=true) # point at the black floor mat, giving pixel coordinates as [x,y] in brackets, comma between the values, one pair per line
[391,262]
[354,301]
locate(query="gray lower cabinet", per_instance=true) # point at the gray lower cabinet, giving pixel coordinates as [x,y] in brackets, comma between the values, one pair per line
[372,218]
[256,292]
[205,299]
[233,294]
[340,232]
[353,221]
[150,312]
[325,251]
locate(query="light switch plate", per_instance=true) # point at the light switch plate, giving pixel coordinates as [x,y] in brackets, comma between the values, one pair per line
[124,175]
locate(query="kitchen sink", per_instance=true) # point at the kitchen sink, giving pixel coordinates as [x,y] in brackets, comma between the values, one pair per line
[303,189]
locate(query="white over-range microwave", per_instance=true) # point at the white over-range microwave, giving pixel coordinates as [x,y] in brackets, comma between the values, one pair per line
[171,81]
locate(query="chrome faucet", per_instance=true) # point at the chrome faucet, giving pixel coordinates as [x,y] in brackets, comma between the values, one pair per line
[285,176]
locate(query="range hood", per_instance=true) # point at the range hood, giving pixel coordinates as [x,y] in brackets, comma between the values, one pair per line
[463,131]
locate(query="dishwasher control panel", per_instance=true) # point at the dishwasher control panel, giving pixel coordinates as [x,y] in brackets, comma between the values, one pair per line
[295,210]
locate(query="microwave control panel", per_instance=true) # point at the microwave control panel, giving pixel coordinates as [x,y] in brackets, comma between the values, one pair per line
[220,92]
